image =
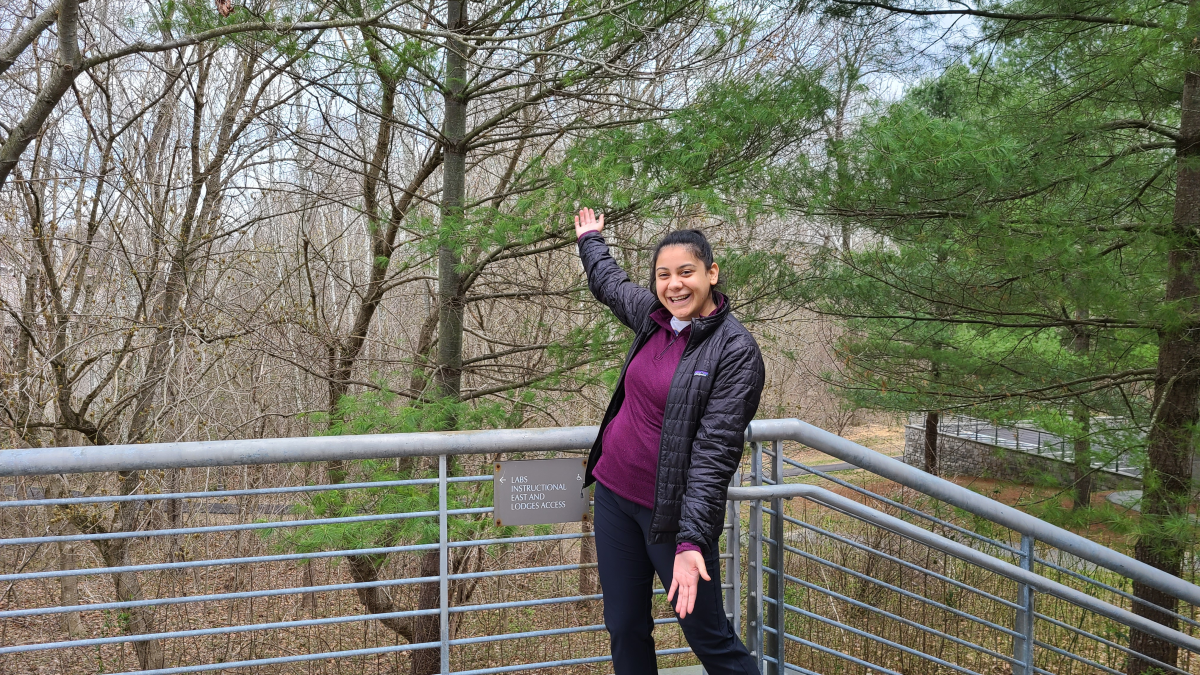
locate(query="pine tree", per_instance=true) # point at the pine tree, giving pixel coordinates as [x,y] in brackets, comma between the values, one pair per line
[1035,216]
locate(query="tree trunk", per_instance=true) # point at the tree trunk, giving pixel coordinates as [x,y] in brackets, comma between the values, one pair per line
[344,356]
[308,600]
[68,587]
[1083,461]
[428,628]
[174,518]
[203,201]
[587,556]
[22,384]
[341,362]
[1166,481]
[448,377]
[931,443]
[115,552]
[68,590]
[1080,344]
[419,381]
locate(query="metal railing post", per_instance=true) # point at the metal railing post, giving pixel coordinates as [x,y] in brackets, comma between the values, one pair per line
[775,642]
[1023,646]
[733,571]
[754,608]
[443,565]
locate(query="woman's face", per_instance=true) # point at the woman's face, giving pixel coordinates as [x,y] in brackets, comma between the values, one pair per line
[683,286]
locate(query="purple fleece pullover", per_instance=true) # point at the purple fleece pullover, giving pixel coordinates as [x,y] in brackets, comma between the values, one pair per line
[629,464]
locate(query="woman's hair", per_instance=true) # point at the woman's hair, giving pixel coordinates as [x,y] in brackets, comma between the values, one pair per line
[693,240]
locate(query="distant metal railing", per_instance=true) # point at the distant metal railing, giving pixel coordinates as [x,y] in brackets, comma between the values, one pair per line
[1031,440]
[874,577]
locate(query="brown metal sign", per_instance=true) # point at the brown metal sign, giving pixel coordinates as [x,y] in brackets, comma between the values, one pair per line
[540,491]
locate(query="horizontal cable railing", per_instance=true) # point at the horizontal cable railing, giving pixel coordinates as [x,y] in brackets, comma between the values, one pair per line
[397,564]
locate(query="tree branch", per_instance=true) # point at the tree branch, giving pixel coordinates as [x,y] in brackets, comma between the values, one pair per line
[500,354]
[21,41]
[1160,129]
[1006,16]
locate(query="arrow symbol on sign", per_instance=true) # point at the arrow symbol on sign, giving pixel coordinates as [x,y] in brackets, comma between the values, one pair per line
[502,479]
[578,477]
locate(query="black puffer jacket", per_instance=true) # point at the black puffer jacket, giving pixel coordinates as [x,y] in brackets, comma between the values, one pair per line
[714,395]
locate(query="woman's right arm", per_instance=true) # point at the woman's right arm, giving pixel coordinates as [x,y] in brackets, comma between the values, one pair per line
[610,284]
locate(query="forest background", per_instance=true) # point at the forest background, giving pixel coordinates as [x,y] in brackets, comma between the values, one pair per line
[287,218]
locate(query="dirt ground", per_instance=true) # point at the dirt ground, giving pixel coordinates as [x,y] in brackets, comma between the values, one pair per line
[884,438]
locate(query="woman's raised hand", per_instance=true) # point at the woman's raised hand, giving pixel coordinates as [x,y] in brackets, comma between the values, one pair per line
[587,221]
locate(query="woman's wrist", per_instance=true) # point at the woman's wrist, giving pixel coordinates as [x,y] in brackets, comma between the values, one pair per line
[684,546]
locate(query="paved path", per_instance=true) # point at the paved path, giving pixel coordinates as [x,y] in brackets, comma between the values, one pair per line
[682,670]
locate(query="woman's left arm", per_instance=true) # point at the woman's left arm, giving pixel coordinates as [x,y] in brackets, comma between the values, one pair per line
[720,437]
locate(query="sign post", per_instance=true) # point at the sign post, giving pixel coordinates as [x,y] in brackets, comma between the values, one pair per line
[540,491]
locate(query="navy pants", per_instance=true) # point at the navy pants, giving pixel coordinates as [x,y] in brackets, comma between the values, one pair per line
[627,567]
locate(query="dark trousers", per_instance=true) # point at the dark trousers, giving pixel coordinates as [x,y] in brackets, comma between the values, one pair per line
[627,566]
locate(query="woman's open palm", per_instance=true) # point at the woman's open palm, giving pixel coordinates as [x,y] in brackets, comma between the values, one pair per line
[587,221]
[689,568]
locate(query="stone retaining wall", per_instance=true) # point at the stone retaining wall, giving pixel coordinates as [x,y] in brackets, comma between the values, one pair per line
[964,457]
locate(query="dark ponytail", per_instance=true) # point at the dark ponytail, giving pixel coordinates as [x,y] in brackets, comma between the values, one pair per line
[693,240]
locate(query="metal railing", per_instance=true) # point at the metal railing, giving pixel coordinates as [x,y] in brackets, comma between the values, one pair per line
[895,570]
[992,578]
[1035,441]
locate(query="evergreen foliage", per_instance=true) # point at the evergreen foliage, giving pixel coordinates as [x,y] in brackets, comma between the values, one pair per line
[1030,227]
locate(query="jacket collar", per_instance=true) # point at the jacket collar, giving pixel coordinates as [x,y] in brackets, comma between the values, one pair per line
[702,326]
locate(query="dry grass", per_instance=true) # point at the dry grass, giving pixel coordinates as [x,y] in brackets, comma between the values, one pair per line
[881,437]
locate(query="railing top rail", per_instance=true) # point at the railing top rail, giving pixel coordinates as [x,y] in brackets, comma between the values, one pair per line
[88,459]
[956,495]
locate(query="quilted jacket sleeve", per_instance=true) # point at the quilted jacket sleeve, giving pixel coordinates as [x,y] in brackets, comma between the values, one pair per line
[610,284]
[720,437]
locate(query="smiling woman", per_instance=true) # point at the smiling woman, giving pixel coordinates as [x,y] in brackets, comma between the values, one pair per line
[668,445]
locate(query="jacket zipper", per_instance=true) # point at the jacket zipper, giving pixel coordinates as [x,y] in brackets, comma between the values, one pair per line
[658,465]
[673,340]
